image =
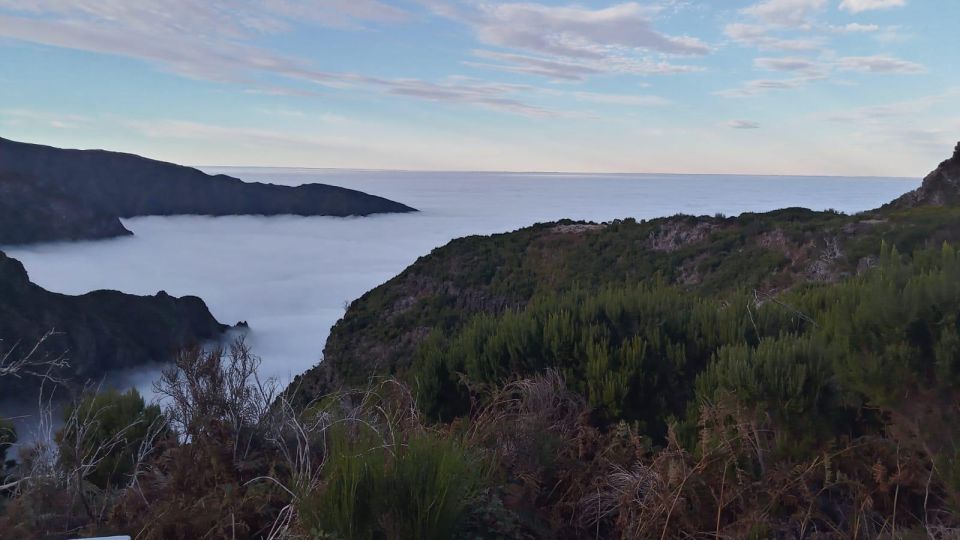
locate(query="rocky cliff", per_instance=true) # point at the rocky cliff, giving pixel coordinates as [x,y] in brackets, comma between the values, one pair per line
[940,188]
[55,188]
[97,332]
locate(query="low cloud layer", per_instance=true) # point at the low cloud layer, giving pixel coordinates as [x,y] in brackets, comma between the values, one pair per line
[290,277]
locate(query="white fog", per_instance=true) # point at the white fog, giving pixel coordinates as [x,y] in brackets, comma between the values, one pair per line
[290,277]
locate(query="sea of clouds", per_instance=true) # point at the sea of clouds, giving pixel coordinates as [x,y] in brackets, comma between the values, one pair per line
[291,277]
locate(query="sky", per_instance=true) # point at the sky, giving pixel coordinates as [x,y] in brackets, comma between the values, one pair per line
[832,87]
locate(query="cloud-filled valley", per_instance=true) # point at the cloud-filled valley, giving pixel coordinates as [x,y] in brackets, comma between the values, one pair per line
[291,277]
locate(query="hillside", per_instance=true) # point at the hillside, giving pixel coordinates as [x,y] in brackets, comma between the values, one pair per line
[766,252]
[97,332]
[30,212]
[86,191]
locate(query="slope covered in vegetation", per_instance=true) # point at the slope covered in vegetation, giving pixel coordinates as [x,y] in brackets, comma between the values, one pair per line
[764,253]
[640,411]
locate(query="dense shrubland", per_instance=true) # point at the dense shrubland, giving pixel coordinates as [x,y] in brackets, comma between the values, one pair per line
[631,410]
[708,256]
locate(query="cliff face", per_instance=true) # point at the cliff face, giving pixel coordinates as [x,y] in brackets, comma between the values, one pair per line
[99,331]
[769,252]
[939,188]
[95,187]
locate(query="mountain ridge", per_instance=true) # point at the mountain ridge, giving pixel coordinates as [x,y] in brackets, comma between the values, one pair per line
[98,185]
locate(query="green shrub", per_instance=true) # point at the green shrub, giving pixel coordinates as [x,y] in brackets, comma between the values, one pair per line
[418,488]
[106,428]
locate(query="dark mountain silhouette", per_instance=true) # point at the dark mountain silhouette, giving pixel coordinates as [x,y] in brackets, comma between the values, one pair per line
[62,194]
[96,332]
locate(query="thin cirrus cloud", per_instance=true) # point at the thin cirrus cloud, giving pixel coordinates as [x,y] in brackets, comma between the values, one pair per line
[809,71]
[796,28]
[857,6]
[201,46]
[853,28]
[743,124]
[907,123]
[788,64]
[772,17]
[762,86]
[210,40]
[533,65]
[785,12]
[759,36]
[572,42]
[561,69]
[879,64]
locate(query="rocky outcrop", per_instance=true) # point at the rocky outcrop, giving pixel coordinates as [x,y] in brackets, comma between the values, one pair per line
[96,332]
[939,188]
[93,188]
[678,234]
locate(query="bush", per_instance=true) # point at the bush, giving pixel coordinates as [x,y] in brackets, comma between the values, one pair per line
[385,478]
[102,435]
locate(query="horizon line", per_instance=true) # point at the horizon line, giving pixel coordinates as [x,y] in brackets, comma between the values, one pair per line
[553,173]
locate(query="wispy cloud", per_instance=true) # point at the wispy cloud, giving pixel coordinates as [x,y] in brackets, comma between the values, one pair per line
[571,31]
[558,69]
[209,39]
[790,63]
[758,87]
[17,117]
[630,100]
[743,124]
[808,71]
[856,6]
[463,90]
[572,42]
[879,64]
[759,36]
[855,28]
[575,70]
[785,12]
[928,123]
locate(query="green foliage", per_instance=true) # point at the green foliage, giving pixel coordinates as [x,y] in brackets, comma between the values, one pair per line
[789,378]
[106,430]
[632,351]
[810,357]
[418,488]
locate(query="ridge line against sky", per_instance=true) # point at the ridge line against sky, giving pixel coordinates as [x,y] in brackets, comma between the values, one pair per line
[835,87]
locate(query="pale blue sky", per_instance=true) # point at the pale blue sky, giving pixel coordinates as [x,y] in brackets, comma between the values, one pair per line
[850,87]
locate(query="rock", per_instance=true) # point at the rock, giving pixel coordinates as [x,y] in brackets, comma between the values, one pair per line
[940,188]
[679,233]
